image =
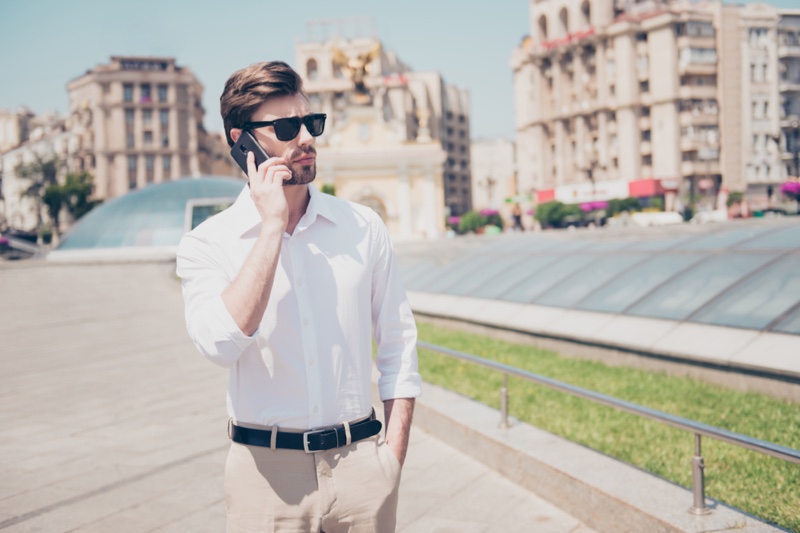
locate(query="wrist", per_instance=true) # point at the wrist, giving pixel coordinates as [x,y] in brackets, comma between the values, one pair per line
[272,227]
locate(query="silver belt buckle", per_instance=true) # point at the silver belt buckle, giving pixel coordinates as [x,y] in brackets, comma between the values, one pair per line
[305,441]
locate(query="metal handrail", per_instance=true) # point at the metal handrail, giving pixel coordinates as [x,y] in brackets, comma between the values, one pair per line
[698,428]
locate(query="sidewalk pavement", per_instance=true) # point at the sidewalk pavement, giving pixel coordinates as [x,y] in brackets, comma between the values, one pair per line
[111,421]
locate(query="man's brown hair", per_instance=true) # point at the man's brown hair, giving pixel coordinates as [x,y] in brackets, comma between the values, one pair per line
[249,87]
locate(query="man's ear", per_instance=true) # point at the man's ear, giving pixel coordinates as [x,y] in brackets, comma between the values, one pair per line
[235,133]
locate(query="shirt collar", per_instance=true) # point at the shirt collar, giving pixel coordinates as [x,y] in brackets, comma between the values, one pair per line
[246,216]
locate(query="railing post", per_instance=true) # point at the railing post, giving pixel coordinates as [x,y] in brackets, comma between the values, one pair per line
[698,480]
[504,402]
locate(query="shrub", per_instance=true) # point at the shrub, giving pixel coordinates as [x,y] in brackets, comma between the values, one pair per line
[617,205]
[492,217]
[471,221]
[735,197]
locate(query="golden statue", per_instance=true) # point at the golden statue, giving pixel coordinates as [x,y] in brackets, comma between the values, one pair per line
[357,68]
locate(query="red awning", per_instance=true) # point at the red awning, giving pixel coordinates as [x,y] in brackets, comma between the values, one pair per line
[645,187]
[542,197]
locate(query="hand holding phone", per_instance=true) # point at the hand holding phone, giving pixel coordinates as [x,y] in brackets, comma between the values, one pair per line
[247,143]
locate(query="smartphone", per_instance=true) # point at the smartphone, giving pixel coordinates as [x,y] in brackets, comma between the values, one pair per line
[248,143]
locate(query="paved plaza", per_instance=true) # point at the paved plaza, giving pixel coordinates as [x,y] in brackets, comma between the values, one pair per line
[111,421]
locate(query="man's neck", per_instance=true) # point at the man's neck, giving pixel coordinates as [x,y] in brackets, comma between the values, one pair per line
[297,196]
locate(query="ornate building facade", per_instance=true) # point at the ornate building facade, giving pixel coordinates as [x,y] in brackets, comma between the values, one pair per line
[395,139]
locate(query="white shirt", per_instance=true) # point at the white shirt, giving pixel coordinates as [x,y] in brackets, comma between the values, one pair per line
[309,364]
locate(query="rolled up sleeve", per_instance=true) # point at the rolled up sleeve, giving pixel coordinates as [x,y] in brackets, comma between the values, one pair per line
[395,331]
[208,321]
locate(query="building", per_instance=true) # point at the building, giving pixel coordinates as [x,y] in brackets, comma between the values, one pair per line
[789,89]
[50,135]
[750,102]
[395,139]
[15,127]
[618,100]
[139,120]
[494,176]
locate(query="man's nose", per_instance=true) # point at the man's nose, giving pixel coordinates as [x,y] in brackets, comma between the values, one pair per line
[304,138]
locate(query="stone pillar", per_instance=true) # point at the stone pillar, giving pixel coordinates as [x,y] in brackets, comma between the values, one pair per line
[429,194]
[404,202]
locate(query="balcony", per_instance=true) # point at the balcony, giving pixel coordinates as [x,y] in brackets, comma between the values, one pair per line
[788,50]
[697,68]
[699,92]
[785,86]
[699,168]
[696,41]
[690,118]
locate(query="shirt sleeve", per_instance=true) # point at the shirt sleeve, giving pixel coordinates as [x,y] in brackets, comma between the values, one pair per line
[209,323]
[393,323]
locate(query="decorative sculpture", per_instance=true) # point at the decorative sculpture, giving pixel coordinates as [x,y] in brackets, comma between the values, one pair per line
[357,69]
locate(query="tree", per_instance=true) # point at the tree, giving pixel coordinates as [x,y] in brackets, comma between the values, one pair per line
[78,189]
[328,188]
[42,173]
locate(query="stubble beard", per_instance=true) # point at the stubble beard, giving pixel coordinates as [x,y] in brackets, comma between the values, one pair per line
[302,174]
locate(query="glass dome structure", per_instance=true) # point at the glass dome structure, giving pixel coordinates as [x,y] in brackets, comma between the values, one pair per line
[742,275]
[152,217]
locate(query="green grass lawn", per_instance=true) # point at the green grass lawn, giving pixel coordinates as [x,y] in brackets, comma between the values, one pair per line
[763,486]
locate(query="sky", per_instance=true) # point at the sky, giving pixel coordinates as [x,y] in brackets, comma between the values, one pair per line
[46,43]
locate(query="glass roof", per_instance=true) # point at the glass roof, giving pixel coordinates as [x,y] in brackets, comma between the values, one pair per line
[743,274]
[152,216]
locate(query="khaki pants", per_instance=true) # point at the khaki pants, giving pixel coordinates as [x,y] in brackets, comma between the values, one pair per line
[349,489]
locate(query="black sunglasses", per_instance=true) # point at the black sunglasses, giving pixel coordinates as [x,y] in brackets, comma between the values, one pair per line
[287,128]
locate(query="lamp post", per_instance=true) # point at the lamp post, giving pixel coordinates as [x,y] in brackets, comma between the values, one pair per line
[795,125]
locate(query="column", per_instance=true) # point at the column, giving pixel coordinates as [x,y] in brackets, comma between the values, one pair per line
[404,202]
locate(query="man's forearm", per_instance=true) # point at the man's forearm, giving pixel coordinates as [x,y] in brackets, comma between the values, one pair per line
[247,296]
[398,414]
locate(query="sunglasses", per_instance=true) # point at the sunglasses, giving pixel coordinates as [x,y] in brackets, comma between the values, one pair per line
[287,129]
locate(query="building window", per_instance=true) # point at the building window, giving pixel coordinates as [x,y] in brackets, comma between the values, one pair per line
[166,164]
[149,164]
[148,138]
[645,111]
[164,117]
[129,117]
[129,141]
[644,86]
[147,116]
[612,90]
[647,160]
[646,135]
[641,37]
[312,71]
[164,140]
[132,162]
[127,92]
[145,96]
[162,92]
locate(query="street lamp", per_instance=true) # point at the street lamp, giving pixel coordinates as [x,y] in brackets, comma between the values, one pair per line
[795,125]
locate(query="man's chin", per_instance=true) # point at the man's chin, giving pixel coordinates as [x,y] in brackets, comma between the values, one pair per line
[302,175]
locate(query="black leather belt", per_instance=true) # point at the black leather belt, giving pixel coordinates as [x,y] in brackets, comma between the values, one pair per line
[310,441]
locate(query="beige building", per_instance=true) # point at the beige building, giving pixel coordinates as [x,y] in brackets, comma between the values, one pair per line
[15,127]
[49,136]
[658,97]
[615,103]
[494,176]
[789,89]
[395,139]
[139,120]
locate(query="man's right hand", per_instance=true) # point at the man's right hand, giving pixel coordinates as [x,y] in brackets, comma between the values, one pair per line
[266,189]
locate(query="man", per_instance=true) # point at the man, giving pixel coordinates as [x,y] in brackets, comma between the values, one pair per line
[284,288]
